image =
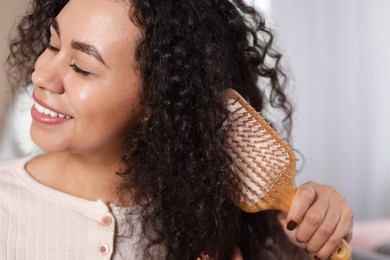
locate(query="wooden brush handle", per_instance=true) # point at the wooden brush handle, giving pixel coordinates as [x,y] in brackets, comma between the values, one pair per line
[342,252]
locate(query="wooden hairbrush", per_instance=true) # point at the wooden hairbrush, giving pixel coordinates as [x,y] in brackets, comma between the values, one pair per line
[264,164]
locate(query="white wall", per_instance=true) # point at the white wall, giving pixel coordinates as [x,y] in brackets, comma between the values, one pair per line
[338,52]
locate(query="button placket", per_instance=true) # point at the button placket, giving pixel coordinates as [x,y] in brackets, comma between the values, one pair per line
[103,249]
[106,238]
[106,221]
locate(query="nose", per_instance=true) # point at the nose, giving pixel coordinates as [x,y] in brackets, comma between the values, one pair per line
[48,73]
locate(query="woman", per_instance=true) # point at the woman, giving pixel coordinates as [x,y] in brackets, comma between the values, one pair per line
[129,107]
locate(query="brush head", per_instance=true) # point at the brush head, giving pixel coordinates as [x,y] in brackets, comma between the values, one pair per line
[264,165]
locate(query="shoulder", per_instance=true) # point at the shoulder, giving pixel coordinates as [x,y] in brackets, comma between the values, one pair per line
[10,169]
[11,166]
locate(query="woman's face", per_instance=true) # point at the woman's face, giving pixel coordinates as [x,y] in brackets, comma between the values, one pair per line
[87,79]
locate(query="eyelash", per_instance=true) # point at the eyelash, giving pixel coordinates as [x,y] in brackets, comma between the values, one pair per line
[83,73]
[52,48]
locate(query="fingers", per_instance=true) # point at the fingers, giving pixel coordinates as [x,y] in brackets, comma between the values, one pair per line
[237,254]
[319,237]
[304,198]
[320,218]
[282,218]
[342,230]
[318,224]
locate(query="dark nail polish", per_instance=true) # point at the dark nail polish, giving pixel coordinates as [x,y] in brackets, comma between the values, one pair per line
[291,225]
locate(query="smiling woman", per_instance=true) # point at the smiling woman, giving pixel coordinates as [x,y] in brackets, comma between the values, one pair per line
[72,78]
[129,107]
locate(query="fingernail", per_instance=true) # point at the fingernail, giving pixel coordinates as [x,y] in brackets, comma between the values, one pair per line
[317,258]
[291,225]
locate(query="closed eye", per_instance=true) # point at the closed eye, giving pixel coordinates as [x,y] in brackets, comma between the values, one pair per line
[51,47]
[82,72]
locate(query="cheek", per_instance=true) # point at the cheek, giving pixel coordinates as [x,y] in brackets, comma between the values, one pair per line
[106,109]
[108,125]
[83,96]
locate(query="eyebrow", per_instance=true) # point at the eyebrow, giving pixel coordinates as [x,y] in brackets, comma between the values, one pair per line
[80,46]
[88,49]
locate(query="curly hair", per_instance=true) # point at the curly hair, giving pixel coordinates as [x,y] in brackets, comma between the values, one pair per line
[175,164]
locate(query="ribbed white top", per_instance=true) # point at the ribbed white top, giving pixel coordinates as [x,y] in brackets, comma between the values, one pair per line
[38,222]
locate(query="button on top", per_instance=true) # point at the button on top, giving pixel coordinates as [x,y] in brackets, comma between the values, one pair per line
[103,249]
[106,221]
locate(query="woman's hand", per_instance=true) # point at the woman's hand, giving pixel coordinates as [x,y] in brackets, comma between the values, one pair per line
[318,219]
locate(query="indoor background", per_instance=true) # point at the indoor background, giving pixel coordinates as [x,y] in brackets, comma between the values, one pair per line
[8,14]
[338,55]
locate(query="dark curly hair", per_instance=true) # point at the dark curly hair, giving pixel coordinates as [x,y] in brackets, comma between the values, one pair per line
[175,164]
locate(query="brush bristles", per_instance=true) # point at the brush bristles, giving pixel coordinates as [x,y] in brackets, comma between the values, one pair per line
[264,164]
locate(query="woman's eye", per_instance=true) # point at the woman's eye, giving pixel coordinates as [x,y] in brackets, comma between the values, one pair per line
[80,71]
[51,47]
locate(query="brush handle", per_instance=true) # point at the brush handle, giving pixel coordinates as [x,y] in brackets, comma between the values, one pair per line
[342,252]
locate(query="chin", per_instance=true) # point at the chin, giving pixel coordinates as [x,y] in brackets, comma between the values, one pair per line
[47,143]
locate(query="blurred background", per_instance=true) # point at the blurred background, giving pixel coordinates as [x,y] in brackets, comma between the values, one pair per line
[338,55]
[9,11]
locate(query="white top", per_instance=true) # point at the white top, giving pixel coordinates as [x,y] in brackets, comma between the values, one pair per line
[38,222]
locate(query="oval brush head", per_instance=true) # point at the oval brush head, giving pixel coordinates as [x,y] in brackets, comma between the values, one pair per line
[264,164]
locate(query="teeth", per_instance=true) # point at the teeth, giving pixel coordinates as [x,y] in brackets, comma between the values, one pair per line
[39,108]
[48,112]
[53,114]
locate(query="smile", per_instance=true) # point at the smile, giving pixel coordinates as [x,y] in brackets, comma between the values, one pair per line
[48,112]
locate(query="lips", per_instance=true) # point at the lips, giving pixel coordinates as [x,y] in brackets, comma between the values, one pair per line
[44,114]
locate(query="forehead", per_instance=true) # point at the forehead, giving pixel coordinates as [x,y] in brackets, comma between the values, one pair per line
[102,23]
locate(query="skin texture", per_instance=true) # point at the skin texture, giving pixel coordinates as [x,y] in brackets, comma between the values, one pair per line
[176,61]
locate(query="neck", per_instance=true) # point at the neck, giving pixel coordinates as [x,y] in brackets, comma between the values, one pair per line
[88,177]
